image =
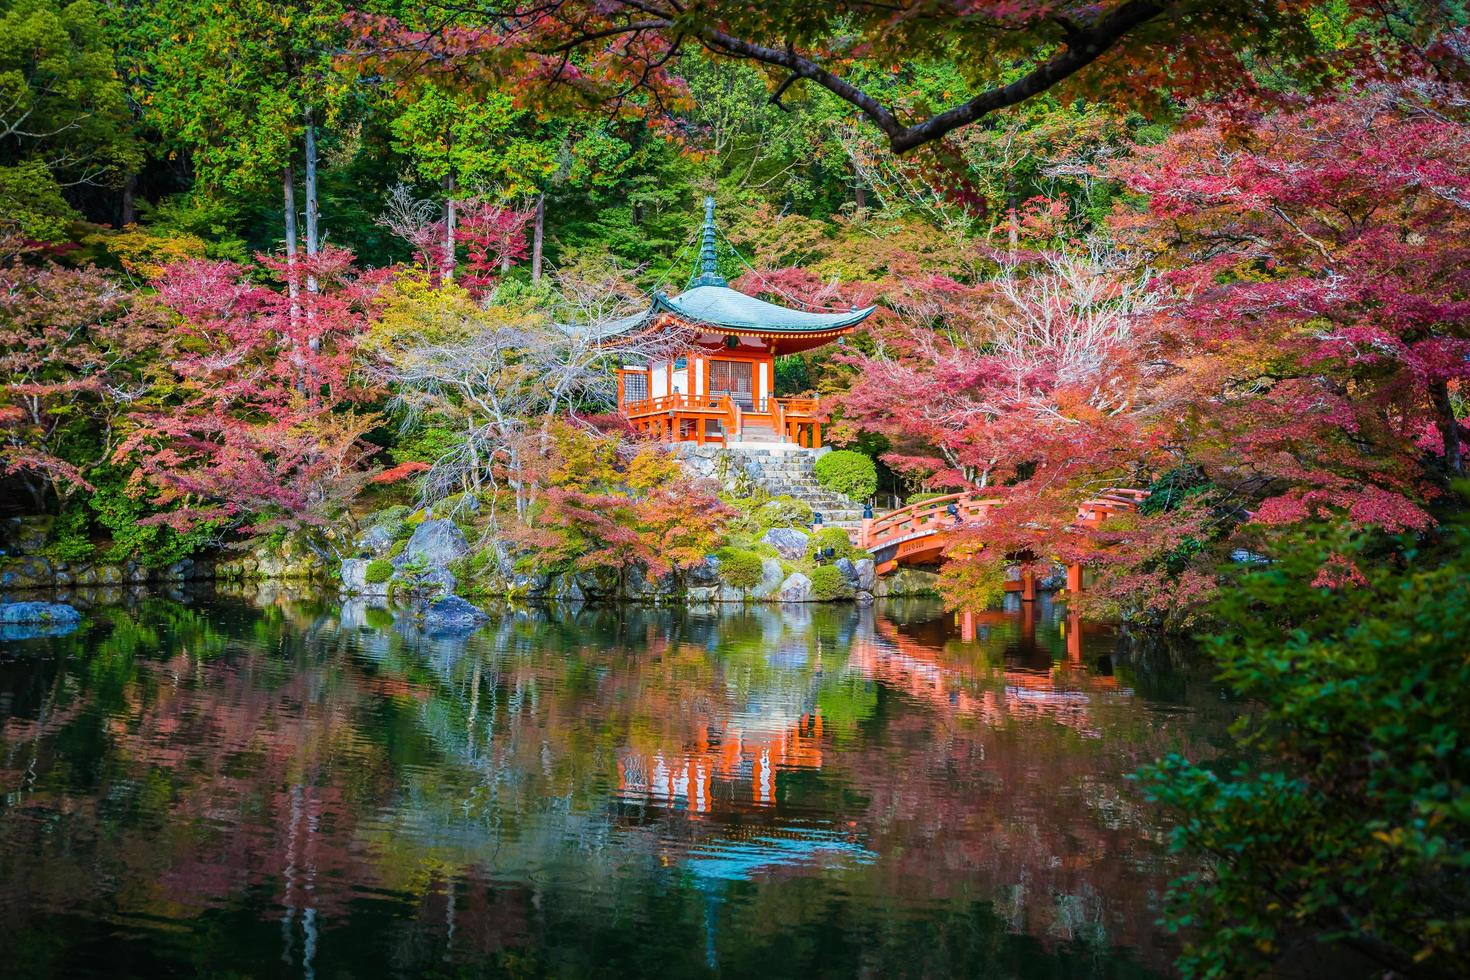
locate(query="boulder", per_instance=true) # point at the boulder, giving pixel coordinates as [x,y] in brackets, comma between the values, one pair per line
[598,583]
[863,597]
[703,573]
[848,571]
[796,588]
[772,575]
[702,594]
[354,579]
[907,581]
[376,540]
[452,614]
[27,573]
[25,535]
[788,542]
[867,575]
[564,588]
[55,613]
[436,542]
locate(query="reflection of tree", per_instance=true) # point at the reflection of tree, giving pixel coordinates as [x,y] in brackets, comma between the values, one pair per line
[287,765]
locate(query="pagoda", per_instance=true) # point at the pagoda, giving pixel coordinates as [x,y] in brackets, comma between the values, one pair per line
[720,388]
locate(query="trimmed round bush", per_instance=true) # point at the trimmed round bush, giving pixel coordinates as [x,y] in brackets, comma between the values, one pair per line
[828,583]
[849,473]
[378,571]
[740,569]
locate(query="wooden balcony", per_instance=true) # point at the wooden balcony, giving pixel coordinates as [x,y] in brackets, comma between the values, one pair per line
[721,420]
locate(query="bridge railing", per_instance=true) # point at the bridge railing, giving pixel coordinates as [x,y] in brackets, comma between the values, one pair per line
[936,514]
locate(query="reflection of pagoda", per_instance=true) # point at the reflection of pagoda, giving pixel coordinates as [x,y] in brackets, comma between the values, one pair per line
[706,776]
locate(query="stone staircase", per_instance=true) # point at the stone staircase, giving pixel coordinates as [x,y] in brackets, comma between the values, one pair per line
[787,471]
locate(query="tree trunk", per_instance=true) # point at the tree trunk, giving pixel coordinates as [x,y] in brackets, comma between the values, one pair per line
[129,202]
[313,212]
[449,227]
[538,233]
[860,194]
[293,286]
[1449,426]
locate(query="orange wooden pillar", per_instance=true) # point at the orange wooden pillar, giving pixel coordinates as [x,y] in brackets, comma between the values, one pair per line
[816,435]
[1074,578]
[1028,585]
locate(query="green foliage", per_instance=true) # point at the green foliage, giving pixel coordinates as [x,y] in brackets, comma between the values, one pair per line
[740,569]
[123,515]
[69,538]
[31,203]
[828,583]
[1350,821]
[849,473]
[836,539]
[378,571]
[398,546]
[919,498]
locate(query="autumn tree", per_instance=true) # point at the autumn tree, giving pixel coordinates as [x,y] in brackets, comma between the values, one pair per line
[261,427]
[1320,260]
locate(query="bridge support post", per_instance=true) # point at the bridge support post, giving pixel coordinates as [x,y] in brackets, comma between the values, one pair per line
[1028,585]
[1074,578]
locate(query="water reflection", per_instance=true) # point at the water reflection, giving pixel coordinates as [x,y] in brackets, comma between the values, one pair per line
[275,785]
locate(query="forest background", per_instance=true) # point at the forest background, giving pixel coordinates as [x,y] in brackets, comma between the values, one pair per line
[265,266]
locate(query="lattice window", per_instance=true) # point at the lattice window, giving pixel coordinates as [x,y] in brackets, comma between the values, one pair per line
[635,387]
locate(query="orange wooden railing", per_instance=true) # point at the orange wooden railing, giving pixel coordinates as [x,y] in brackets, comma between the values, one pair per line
[935,517]
[925,517]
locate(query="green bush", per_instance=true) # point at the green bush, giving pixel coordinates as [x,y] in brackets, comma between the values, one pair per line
[836,539]
[848,473]
[1344,797]
[828,583]
[69,539]
[379,571]
[919,498]
[740,569]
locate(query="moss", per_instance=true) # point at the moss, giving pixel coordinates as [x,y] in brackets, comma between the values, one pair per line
[783,512]
[919,498]
[828,583]
[378,571]
[849,473]
[398,547]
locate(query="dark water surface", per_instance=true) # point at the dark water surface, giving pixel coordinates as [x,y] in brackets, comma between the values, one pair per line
[285,786]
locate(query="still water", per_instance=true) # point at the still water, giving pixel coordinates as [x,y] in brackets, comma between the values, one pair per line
[279,785]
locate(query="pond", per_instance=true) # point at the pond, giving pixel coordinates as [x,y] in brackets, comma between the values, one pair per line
[281,785]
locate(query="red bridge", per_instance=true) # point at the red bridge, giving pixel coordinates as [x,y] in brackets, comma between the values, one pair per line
[920,534]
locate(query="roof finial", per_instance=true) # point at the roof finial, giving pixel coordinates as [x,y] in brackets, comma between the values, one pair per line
[709,270]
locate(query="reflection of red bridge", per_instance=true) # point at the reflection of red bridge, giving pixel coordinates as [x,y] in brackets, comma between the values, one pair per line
[920,534]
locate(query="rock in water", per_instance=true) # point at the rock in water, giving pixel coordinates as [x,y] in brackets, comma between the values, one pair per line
[32,620]
[436,542]
[788,542]
[867,576]
[796,588]
[848,571]
[771,578]
[452,614]
[38,612]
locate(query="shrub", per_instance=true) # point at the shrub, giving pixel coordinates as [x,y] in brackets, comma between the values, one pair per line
[836,539]
[919,498]
[828,583]
[740,569]
[848,473]
[379,571]
[783,512]
[1347,804]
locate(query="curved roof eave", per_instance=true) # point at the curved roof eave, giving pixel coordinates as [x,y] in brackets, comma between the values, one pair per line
[721,306]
